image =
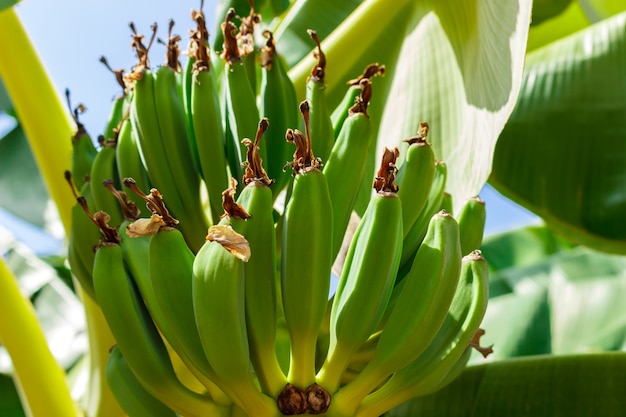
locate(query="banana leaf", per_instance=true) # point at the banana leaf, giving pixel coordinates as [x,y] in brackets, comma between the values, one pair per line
[562,154]
[7,3]
[455,65]
[573,386]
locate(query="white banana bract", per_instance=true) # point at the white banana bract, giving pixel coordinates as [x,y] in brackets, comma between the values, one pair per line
[214,273]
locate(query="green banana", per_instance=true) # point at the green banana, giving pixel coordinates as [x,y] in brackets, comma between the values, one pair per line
[164,282]
[449,349]
[342,111]
[83,149]
[471,218]
[206,119]
[261,270]
[306,256]
[416,177]
[446,203]
[241,108]
[418,313]
[246,41]
[218,294]
[345,167]
[104,168]
[135,400]
[84,237]
[175,136]
[417,232]
[137,337]
[129,162]
[368,278]
[321,127]
[146,124]
[279,103]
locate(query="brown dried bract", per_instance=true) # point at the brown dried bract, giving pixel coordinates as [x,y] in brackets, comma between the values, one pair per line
[246,31]
[198,42]
[292,400]
[230,206]
[129,208]
[363,100]
[422,135]
[303,158]
[475,343]
[111,236]
[154,202]
[230,240]
[268,51]
[231,53]
[254,164]
[173,50]
[370,71]
[319,69]
[385,180]
[318,399]
[146,227]
[141,50]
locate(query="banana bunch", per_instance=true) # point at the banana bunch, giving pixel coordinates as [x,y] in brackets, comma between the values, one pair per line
[208,222]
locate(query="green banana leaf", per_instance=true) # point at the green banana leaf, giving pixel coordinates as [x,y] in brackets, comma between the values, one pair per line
[10,404]
[455,65]
[562,154]
[547,297]
[573,386]
[7,3]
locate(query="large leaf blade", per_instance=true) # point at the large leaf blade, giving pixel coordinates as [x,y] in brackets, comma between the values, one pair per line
[573,386]
[566,136]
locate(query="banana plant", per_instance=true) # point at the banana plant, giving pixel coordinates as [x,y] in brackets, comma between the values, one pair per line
[457,66]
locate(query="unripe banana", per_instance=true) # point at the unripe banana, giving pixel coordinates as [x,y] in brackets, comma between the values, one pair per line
[83,149]
[206,119]
[241,109]
[472,217]
[104,168]
[321,127]
[120,103]
[418,313]
[84,237]
[137,337]
[219,295]
[306,256]
[416,177]
[261,270]
[129,162]
[135,400]
[342,111]
[278,103]
[345,167]
[447,354]
[146,124]
[417,232]
[368,277]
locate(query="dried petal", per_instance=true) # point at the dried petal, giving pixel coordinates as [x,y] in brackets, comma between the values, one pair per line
[232,241]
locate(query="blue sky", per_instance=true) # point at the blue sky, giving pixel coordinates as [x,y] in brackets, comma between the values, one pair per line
[71,35]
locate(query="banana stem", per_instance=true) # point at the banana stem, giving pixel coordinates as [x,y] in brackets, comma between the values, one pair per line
[350,39]
[40,380]
[46,122]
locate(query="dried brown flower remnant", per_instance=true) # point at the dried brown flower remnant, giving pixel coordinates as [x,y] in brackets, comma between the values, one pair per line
[370,71]
[231,53]
[385,180]
[268,51]
[154,202]
[198,41]
[254,168]
[319,69]
[230,240]
[422,135]
[230,206]
[363,100]
[318,399]
[292,400]
[246,31]
[173,50]
[303,157]
[475,343]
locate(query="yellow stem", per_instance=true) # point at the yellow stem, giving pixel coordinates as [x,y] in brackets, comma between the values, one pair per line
[40,379]
[42,114]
